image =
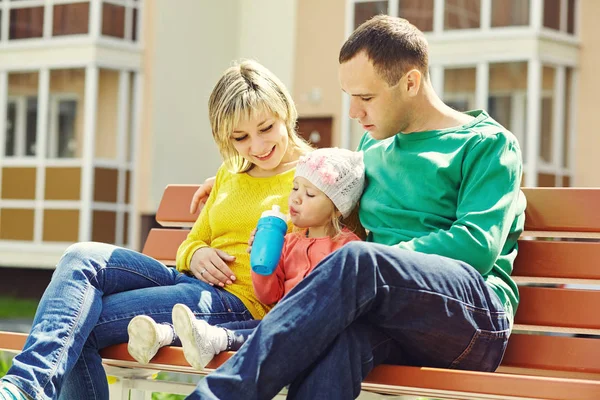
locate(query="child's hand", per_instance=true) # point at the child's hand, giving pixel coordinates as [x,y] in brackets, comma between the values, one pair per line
[251,240]
[209,265]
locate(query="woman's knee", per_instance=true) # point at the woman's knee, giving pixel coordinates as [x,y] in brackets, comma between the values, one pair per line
[84,255]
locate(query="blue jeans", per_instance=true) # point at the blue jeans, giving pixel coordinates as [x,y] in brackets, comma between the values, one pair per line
[238,332]
[363,305]
[94,293]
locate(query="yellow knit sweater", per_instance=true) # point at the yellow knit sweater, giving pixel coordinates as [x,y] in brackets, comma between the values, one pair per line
[231,212]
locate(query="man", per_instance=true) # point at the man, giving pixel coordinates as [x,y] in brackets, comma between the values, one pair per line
[432,285]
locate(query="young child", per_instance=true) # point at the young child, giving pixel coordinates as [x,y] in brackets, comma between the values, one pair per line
[327,186]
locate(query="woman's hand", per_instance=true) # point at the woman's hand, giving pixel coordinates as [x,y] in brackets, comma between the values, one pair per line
[209,265]
[201,195]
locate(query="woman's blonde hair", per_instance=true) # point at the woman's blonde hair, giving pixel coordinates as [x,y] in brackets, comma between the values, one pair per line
[243,92]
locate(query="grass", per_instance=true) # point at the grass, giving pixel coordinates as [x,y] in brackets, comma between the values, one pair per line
[11,307]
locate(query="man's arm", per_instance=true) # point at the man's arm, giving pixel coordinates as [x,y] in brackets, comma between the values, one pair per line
[488,202]
[201,195]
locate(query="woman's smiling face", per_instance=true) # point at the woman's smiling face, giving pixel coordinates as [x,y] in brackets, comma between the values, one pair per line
[262,140]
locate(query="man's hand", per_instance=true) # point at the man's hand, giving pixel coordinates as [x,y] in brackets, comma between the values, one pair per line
[201,195]
[209,265]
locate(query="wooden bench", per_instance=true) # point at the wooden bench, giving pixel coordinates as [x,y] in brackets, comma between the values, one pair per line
[554,352]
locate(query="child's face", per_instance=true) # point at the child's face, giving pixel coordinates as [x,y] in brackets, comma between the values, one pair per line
[310,207]
[262,140]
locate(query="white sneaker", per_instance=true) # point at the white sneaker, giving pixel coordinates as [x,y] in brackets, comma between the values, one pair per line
[8,391]
[144,338]
[197,336]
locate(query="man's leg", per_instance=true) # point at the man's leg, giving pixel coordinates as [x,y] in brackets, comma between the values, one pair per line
[437,310]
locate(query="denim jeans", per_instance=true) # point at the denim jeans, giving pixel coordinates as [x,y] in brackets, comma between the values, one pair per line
[363,305]
[238,332]
[94,293]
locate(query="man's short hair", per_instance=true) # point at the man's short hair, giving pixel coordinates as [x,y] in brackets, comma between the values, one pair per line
[394,46]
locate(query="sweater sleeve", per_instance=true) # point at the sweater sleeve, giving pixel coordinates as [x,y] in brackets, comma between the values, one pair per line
[269,289]
[200,235]
[487,206]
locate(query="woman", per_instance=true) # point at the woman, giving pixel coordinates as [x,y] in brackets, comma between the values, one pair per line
[98,288]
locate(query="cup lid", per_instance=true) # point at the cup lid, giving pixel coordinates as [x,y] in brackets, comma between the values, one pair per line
[275,211]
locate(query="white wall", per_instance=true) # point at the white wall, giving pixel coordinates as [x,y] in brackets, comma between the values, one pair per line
[268,35]
[194,42]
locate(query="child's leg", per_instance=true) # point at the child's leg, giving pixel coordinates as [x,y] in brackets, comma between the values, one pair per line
[146,337]
[238,332]
[200,341]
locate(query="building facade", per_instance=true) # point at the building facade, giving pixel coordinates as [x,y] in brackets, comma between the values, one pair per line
[104,102]
[70,87]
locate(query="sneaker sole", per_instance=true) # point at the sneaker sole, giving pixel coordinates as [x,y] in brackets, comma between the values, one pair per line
[183,324]
[143,341]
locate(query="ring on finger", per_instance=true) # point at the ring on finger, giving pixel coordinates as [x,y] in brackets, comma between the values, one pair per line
[203,271]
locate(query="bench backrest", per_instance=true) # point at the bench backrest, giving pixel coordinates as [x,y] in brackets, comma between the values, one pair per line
[557,327]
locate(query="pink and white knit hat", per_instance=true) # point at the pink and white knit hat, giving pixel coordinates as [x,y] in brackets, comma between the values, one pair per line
[339,173]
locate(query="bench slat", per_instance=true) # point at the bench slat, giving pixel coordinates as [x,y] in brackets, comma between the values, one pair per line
[553,259]
[175,205]
[500,386]
[162,244]
[562,209]
[559,307]
[553,352]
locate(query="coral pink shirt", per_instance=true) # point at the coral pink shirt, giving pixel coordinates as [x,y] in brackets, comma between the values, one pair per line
[299,256]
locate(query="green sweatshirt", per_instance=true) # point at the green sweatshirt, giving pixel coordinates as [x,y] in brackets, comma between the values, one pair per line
[452,192]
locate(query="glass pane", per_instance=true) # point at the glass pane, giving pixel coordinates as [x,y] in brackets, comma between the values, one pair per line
[418,12]
[462,14]
[65,126]
[134,25]
[459,88]
[571,16]
[510,13]
[22,113]
[11,122]
[26,23]
[106,118]
[31,126]
[546,141]
[364,11]
[507,101]
[552,14]
[70,19]
[131,107]
[568,100]
[113,20]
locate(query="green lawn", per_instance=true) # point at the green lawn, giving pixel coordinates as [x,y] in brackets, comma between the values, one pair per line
[11,307]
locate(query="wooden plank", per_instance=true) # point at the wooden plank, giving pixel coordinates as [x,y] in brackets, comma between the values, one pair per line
[11,341]
[558,353]
[174,208]
[562,209]
[554,259]
[491,384]
[559,307]
[162,244]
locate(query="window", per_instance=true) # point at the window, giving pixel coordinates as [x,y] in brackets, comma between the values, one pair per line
[364,11]
[62,141]
[418,12]
[462,14]
[21,128]
[70,19]
[26,23]
[510,13]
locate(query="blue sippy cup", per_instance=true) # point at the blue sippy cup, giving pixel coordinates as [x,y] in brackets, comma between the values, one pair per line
[268,241]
